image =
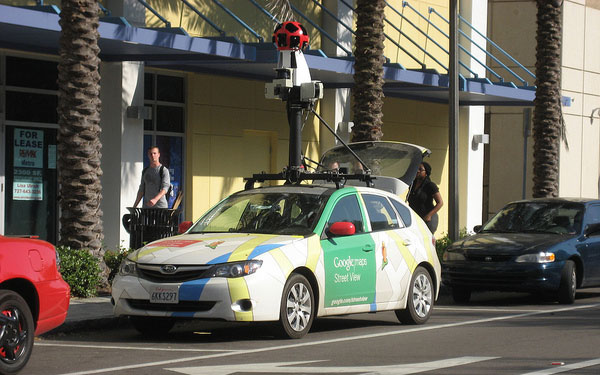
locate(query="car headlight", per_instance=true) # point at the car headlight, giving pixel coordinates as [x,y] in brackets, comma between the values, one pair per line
[235,269]
[541,257]
[128,267]
[450,256]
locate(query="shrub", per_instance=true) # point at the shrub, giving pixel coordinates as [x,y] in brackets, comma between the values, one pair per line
[443,242]
[113,259]
[80,269]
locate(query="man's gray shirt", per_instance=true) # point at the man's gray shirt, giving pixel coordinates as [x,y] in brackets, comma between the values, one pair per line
[151,184]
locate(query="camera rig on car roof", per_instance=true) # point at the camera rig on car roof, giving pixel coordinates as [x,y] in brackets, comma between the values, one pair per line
[293,85]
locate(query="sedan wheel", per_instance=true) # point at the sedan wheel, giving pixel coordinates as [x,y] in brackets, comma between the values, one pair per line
[420,299]
[568,283]
[297,311]
[16,332]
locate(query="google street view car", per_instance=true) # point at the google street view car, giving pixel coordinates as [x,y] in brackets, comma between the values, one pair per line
[345,243]
[291,253]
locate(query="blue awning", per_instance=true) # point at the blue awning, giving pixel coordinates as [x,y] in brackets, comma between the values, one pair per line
[38,31]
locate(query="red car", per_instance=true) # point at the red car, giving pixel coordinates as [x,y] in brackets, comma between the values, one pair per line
[34,298]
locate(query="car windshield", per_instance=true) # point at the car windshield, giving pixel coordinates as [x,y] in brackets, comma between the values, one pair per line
[263,212]
[537,217]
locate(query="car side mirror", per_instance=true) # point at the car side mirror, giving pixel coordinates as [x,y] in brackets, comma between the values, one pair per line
[477,228]
[592,229]
[342,228]
[184,226]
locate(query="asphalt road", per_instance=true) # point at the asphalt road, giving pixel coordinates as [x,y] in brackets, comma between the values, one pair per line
[495,333]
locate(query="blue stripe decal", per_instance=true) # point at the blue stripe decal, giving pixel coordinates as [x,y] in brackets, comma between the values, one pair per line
[373,306]
[222,259]
[261,249]
[191,290]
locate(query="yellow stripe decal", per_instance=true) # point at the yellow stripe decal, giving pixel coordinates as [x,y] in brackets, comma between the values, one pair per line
[284,263]
[427,242]
[239,290]
[404,251]
[314,252]
[245,249]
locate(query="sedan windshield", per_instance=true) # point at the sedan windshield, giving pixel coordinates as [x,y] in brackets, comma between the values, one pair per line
[537,217]
[264,212]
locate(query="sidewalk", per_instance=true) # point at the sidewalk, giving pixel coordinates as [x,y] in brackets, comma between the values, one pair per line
[86,313]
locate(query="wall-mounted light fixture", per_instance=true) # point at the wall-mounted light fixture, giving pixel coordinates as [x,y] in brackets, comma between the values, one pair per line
[479,139]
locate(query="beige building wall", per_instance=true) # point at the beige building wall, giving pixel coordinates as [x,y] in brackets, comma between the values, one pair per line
[513,27]
[233,132]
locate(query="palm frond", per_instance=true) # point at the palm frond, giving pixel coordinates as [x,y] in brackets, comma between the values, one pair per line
[281,9]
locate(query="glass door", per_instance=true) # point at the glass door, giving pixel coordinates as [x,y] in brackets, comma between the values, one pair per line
[31,183]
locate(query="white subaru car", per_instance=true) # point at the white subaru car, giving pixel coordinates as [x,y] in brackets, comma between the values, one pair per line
[292,253]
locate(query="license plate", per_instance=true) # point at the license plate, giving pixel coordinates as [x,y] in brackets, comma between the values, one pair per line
[164,294]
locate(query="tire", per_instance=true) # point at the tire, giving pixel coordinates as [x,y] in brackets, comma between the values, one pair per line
[17,330]
[419,303]
[297,308]
[152,326]
[461,294]
[568,283]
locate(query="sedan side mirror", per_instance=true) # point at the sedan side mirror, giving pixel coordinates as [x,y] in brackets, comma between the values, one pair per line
[592,229]
[342,228]
[477,228]
[184,226]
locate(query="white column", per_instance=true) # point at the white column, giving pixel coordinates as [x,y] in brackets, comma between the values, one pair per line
[122,86]
[474,11]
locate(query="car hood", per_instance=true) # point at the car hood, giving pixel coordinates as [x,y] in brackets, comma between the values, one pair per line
[209,248]
[506,243]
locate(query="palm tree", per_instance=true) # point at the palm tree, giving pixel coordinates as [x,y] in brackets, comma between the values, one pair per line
[79,127]
[368,71]
[547,118]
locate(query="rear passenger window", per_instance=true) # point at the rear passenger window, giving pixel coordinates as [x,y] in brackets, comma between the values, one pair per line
[381,213]
[403,211]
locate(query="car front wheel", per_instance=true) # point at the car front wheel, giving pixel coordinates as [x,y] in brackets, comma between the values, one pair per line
[461,294]
[568,283]
[420,299]
[16,332]
[297,308]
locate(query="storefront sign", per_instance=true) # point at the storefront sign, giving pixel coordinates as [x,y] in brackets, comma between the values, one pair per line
[28,190]
[29,148]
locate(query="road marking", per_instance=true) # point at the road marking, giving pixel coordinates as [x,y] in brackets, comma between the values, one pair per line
[565,368]
[278,367]
[330,341]
[486,310]
[49,343]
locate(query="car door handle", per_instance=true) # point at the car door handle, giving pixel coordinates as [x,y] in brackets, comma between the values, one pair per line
[407,242]
[368,248]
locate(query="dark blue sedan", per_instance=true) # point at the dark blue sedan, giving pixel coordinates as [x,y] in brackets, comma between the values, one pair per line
[548,246]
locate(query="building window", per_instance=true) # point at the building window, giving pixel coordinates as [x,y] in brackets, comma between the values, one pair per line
[165,96]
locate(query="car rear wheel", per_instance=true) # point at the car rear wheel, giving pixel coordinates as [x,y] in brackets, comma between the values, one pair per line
[152,326]
[297,308]
[568,283]
[420,299]
[461,294]
[16,332]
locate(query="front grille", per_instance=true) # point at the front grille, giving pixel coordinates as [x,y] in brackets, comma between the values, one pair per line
[182,306]
[488,257]
[182,273]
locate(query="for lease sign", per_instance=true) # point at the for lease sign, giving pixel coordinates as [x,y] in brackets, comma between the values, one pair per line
[29,148]
[27,190]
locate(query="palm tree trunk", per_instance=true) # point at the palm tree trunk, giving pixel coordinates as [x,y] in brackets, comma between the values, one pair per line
[547,118]
[368,71]
[79,127]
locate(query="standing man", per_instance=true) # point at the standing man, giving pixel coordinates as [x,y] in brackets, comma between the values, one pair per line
[155,182]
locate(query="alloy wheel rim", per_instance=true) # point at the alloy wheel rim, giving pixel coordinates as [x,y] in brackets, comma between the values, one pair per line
[573,282]
[13,336]
[422,296]
[298,307]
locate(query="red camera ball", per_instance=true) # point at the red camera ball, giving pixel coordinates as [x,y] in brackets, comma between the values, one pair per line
[290,35]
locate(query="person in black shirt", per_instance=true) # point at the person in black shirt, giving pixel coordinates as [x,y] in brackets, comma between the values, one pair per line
[422,195]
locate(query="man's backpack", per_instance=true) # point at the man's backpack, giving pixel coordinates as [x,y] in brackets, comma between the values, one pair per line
[161,173]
